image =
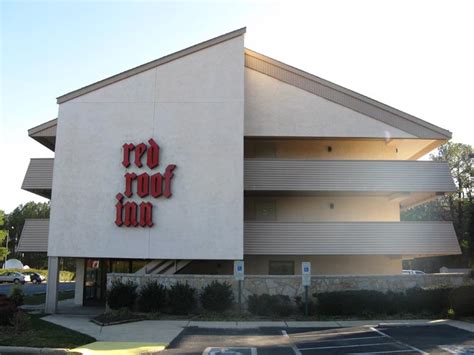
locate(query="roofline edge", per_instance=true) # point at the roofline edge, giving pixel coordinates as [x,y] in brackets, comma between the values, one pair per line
[355,95]
[150,65]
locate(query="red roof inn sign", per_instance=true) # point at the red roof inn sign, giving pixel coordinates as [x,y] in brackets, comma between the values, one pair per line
[129,213]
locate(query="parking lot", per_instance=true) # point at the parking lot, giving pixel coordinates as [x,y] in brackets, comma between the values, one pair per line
[428,339]
[30,289]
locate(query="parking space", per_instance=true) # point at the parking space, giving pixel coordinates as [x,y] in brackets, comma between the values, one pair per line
[430,339]
[358,340]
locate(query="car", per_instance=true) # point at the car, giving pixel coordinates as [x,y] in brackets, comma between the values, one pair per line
[12,276]
[33,277]
[412,272]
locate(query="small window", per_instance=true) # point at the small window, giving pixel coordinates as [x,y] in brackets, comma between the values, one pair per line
[265,150]
[281,267]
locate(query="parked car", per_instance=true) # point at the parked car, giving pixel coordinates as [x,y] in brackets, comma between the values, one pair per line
[12,276]
[34,277]
[412,272]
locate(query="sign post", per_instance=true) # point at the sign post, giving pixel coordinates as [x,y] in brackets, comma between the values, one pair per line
[239,276]
[306,281]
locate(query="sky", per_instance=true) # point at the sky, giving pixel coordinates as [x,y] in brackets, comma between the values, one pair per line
[416,56]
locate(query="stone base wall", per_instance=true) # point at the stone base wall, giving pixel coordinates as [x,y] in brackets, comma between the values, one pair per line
[291,285]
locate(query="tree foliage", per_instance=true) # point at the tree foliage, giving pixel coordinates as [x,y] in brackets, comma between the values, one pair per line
[457,207]
[3,236]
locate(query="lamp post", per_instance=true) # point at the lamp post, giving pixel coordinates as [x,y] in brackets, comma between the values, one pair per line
[8,240]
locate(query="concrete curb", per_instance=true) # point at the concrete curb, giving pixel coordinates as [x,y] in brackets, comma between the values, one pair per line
[27,350]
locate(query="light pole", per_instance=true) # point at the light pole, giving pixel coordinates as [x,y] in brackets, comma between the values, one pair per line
[8,240]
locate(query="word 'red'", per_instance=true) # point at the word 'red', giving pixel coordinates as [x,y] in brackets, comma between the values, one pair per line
[130,214]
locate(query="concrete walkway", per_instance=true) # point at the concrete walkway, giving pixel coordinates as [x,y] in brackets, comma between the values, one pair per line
[164,331]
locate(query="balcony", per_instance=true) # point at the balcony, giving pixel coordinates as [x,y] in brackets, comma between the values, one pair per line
[39,177]
[367,176]
[350,238]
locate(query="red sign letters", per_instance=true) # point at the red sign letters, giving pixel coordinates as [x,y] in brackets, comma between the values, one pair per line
[129,213]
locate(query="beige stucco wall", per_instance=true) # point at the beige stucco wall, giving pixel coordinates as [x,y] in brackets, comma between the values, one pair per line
[320,264]
[318,208]
[350,149]
[189,106]
[276,109]
[329,265]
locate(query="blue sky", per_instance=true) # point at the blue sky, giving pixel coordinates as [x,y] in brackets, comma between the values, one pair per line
[414,56]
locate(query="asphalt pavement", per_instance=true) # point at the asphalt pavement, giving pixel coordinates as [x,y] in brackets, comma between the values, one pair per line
[426,339]
[30,289]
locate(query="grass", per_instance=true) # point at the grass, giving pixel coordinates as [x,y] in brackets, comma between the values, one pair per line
[40,298]
[39,333]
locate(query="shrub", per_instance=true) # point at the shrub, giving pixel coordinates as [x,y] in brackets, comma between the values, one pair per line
[7,310]
[270,305]
[217,296]
[152,297]
[462,301]
[122,294]
[312,305]
[365,302]
[20,321]
[431,301]
[17,296]
[182,298]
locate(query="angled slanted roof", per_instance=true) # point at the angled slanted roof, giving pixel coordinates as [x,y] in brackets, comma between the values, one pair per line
[151,65]
[343,96]
[45,133]
[34,236]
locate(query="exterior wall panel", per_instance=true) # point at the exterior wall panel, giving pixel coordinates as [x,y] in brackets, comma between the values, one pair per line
[347,175]
[350,238]
[34,236]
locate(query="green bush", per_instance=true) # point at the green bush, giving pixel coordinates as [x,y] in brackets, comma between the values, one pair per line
[152,297]
[17,296]
[7,310]
[182,298]
[426,301]
[122,294]
[217,297]
[270,305]
[312,305]
[366,302]
[462,301]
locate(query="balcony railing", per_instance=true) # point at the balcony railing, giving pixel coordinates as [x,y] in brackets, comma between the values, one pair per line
[347,175]
[350,238]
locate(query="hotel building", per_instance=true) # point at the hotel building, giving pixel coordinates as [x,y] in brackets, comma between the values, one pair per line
[217,153]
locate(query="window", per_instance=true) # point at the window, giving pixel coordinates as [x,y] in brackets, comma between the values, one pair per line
[281,267]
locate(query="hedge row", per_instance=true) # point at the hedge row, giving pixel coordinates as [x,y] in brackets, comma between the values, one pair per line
[435,301]
[63,275]
[177,299]
[182,299]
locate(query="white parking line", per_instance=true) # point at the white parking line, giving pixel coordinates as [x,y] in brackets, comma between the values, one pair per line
[400,342]
[302,335]
[345,339]
[346,346]
[292,345]
[383,352]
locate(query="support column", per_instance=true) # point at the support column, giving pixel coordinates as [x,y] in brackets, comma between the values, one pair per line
[79,288]
[52,287]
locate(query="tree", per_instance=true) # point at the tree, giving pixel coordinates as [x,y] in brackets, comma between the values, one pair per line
[16,219]
[3,236]
[457,207]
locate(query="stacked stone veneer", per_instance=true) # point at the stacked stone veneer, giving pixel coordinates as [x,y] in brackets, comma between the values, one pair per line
[291,285]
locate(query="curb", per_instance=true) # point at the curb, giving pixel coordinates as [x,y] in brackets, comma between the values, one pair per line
[27,350]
